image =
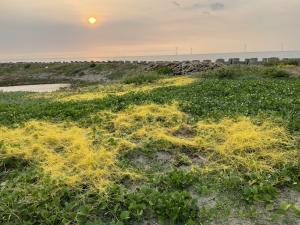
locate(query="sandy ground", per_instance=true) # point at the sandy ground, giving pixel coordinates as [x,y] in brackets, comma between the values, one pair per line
[35,88]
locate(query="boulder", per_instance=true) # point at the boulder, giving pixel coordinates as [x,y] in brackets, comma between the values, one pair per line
[185,67]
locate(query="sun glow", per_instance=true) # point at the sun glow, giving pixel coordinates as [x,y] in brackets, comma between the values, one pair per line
[92,20]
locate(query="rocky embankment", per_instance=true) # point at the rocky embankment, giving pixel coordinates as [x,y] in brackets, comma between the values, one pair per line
[180,68]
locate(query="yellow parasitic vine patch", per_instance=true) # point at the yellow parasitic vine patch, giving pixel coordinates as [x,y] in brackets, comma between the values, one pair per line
[248,147]
[238,144]
[65,153]
[102,91]
[177,81]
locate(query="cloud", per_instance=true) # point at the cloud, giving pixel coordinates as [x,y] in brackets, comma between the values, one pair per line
[217,6]
[177,4]
[199,6]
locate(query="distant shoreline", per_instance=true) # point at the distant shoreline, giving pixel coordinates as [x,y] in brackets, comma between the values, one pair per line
[180,57]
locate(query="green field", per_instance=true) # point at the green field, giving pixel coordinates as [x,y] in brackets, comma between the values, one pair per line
[221,147]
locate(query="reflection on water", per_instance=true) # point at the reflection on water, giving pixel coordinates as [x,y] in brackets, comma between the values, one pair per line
[35,88]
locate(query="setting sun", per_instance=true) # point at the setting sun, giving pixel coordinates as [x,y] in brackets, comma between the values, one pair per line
[92,20]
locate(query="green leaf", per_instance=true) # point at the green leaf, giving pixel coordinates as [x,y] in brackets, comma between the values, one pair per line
[125,215]
[270,207]
[296,210]
[284,206]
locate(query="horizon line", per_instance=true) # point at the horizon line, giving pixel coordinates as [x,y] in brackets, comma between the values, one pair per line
[73,58]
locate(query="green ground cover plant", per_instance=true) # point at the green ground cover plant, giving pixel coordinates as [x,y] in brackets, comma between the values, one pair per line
[215,148]
[247,72]
[142,78]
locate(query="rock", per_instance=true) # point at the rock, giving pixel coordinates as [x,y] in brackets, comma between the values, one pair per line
[234,61]
[253,61]
[185,67]
[220,61]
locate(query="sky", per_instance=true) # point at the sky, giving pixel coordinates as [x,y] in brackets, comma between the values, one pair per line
[52,28]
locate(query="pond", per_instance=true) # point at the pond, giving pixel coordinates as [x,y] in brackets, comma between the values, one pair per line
[35,88]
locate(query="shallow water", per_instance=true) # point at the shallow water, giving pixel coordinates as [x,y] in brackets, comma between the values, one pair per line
[35,88]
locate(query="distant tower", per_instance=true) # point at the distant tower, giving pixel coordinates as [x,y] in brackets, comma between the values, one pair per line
[282,47]
[191,51]
[176,53]
[245,47]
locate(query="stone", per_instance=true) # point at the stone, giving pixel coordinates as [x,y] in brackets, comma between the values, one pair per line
[234,61]
[186,67]
[253,61]
[220,61]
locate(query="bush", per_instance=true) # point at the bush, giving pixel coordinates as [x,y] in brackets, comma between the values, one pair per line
[141,78]
[246,72]
[290,62]
[222,73]
[93,65]
[276,73]
[272,62]
[165,70]
[27,66]
[278,62]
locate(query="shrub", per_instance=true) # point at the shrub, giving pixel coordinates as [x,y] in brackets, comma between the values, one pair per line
[272,62]
[226,73]
[141,78]
[164,70]
[27,66]
[278,62]
[232,72]
[290,62]
[246,72]
[276,73]
[93,65]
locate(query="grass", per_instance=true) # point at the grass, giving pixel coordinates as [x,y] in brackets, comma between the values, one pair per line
[75,73]
[247,72]
[141,78]
[285,62]
[220,147]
